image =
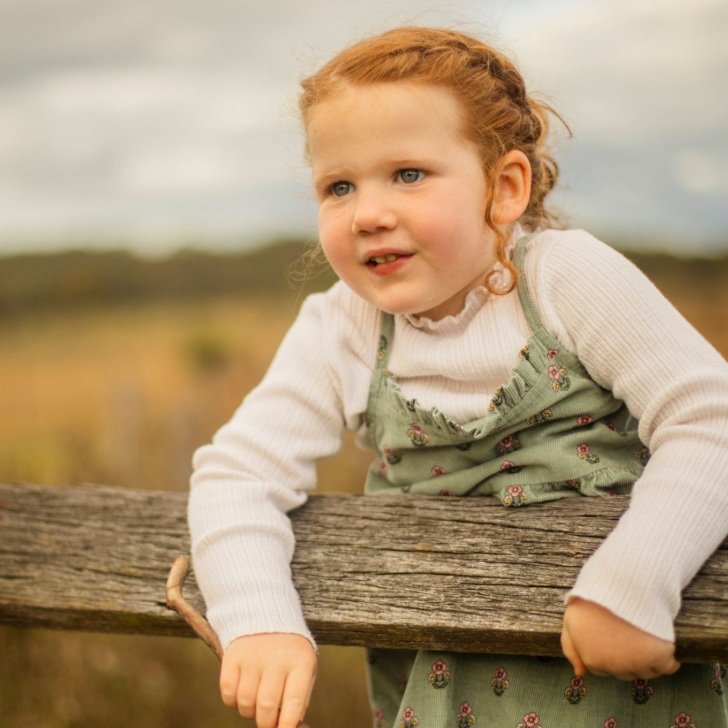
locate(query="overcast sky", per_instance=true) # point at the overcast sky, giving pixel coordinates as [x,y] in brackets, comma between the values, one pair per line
[159,123]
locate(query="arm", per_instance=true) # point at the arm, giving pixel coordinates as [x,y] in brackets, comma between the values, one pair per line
[258,467]
[635,343]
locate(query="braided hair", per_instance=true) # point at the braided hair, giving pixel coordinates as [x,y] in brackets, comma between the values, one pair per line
[498,114]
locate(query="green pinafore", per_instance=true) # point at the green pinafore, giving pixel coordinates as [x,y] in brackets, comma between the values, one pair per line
[550,432]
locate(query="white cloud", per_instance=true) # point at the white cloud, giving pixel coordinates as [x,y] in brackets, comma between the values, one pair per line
[153,118]
[701,172]
[174,171]
[628,71]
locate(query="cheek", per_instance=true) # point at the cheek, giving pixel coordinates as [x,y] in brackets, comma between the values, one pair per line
[454,210]
[333,239]
[443,226]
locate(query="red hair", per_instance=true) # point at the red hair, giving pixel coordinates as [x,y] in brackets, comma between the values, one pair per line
[498,114]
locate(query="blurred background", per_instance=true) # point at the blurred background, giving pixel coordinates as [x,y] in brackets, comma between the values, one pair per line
[154,197]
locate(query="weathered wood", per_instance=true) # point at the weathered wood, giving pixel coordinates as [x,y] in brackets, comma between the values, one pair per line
[459,573]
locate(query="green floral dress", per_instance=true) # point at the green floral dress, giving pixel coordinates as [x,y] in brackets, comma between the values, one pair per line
[550,432]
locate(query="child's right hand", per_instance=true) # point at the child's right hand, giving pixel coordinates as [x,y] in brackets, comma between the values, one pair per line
[269,677]
[598,641]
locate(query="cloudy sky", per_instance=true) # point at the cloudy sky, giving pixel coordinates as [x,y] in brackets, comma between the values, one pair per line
[159,123]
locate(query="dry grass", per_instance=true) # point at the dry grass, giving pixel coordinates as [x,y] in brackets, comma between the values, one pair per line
[123,396]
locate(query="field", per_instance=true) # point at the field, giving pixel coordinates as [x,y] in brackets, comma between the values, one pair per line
[120,389]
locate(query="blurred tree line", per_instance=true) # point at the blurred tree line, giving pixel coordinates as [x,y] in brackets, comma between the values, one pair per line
[83,277]
[86,277]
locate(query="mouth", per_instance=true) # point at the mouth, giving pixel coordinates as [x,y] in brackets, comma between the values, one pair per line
[374,261]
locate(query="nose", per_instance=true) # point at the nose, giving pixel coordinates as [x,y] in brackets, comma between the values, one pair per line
[373,212]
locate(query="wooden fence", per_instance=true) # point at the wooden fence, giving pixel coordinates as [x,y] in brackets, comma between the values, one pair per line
[462,574]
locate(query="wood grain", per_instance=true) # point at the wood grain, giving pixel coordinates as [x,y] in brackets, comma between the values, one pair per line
[463,574]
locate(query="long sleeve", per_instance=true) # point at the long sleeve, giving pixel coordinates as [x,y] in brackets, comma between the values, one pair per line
[630,339]
[258,467]
[633,342]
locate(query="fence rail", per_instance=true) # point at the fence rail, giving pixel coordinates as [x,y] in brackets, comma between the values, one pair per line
[462,574]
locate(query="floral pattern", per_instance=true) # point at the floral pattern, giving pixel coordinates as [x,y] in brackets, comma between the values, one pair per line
[499,682]
[530,720]
[717,682]
[497,400]
[440,675]
[509,466]
[611,723]
[584,420]
[508,444]
[409,720]
[379,718]
[576,690]
[391,456]
[642,455]
[559,377]
[585,453]
[641,691]
[382,347]
[682,720]
[465,716]
[540,418]
[437,470]
[515,496]
[417,435]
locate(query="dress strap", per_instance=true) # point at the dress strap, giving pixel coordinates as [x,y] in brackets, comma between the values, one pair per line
[386,336]
[529,309]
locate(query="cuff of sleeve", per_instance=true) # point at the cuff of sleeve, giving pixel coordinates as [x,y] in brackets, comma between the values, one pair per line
[245,579]
[273,609]
[638,598]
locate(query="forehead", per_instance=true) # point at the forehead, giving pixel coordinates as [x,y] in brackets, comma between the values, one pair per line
[373,113]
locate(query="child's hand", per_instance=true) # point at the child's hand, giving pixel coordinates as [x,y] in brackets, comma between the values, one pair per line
[595,639]
[269,677]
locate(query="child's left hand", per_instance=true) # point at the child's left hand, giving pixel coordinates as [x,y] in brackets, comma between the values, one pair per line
[595,639]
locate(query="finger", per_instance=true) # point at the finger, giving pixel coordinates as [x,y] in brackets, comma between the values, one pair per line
[672,667]
[247,693]
[229,678]
[268,701]
[296,696]
[669,665]
[666,666]
[571,654]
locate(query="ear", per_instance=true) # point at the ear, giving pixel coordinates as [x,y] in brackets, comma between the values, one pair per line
[512,188]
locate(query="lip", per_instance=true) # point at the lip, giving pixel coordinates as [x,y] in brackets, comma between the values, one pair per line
[387,268]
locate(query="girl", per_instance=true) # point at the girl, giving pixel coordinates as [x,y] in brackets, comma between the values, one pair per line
[478,351]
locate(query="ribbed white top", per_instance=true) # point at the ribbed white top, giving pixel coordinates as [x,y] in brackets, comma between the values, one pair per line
[598,305]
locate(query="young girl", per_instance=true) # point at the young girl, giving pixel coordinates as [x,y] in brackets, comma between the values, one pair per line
[478,352]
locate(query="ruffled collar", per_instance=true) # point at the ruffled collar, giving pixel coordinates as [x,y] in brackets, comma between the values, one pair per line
[474,302]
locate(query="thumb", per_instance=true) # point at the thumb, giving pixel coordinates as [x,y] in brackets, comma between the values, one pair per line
[571,654]
[669,664]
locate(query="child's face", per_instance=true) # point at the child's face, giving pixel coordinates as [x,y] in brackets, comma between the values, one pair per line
[402,197]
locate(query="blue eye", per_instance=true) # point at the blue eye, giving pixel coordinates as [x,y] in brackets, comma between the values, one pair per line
[409,176]
[341,188]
